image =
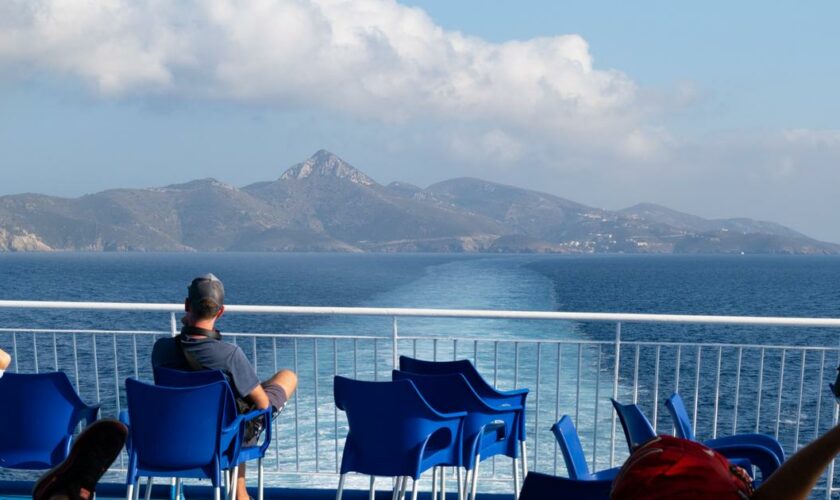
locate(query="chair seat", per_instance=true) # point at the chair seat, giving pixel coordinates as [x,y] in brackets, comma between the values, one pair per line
[605,475]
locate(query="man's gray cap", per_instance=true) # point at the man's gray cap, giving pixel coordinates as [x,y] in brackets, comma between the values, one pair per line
[207,287]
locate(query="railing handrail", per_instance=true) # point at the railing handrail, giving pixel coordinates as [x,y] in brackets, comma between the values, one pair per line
[439,313]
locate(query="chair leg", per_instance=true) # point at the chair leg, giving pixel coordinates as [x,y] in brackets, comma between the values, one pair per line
[340,491]
[403,487]
[129,493]
[260,480]
[234,482]
[515,479]
[149,483]
[372,495]
[137,489]
[443,483]
[434,483]
[467,479]
[475,476]
[460,485]
[396,489]
[524,460]
[414,489]
[178,489]
[217,493]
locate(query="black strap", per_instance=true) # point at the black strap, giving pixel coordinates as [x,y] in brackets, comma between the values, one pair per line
[194,330]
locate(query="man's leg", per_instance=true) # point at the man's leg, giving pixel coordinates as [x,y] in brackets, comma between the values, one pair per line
[279,389]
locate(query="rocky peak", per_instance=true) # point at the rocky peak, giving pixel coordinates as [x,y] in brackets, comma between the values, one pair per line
[325,164]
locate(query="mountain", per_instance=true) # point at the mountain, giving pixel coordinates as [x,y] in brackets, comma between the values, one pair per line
[326,204]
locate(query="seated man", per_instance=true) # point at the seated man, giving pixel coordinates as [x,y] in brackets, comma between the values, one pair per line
[200,346]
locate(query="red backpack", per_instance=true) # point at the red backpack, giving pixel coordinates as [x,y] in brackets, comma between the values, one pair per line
[669,467]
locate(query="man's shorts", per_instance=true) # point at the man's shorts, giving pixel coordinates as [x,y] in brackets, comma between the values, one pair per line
[276,396]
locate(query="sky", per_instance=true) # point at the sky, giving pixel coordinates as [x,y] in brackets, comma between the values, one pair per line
[719,109]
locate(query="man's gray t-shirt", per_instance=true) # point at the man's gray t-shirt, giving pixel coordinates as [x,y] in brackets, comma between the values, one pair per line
[211,354]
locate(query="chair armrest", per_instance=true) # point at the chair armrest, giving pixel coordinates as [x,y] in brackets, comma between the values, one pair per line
[751,440]
[235,431]
[763,458]
[89,413]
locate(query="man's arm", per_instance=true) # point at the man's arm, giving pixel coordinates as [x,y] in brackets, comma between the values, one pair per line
[795,479]
[5,359]
[259,397]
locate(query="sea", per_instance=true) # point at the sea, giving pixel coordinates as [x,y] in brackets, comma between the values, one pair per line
[571,377]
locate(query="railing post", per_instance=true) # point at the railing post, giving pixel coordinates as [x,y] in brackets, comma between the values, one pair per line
[173,324]
[615,389]
[394,338]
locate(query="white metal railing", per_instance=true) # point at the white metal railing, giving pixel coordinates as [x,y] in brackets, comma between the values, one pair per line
[777,388]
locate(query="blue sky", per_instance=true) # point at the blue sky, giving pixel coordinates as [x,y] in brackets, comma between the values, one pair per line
[720,109]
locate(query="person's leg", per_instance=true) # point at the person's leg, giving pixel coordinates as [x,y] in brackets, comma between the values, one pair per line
[287,379]
[93,451]
[5,360]
[279,388]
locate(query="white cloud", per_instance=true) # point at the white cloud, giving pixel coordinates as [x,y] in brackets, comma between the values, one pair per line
[372,59]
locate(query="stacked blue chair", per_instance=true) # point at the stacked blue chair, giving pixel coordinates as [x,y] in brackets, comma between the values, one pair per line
[180,378]
[39,414]
[569,442]
[488,430]
[393,431]
[182,432]
[637,430]
[514,398]
[682,424]
[763,451]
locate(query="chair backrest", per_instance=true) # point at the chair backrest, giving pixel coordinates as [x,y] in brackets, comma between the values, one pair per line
[175,427]
[569,442]
[171,377]
[637,428]
[462,366]
[388,422]
[537,486]
[682,424]
[38,416]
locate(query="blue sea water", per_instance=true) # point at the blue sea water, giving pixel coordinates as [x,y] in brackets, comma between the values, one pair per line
[715,285]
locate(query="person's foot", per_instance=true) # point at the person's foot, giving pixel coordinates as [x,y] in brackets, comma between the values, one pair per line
[94,450]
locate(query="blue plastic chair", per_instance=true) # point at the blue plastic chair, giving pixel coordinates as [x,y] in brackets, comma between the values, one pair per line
[637,428]
[682,425]
[394,432]
[38,417]
[539,486]
[181,432]
[493,396]
[744,450]
[181,378]
[569,442]
[488,430]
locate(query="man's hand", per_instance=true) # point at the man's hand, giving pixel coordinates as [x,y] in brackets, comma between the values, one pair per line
[259,397]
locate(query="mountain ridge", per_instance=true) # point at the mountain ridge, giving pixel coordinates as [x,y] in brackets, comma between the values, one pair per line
[327,204]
